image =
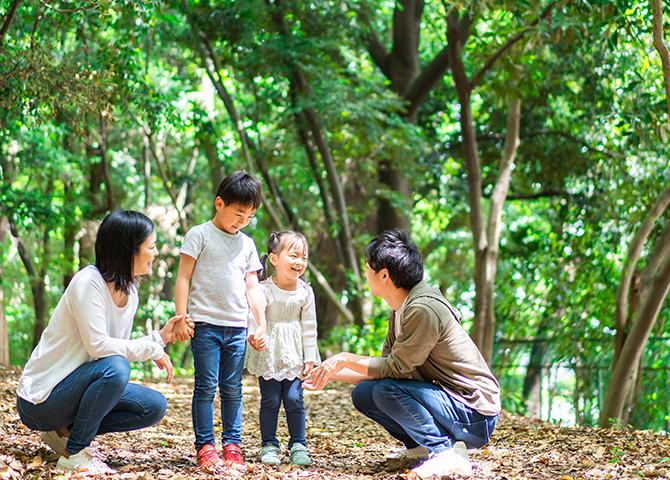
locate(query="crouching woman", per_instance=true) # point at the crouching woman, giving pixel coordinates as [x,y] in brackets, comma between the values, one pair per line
[76,383]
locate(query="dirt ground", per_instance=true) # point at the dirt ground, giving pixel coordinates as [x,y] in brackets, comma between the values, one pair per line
[343,445]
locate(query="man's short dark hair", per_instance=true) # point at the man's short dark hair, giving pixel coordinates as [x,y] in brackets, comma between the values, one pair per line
[118,240]
[240,188]
[394,251]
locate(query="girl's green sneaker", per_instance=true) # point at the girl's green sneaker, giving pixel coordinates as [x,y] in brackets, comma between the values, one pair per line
[299,455]
[270,455]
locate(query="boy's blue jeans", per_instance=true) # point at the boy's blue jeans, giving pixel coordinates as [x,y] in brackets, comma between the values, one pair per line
[218,358]
[273,392]
[94,399]
[420,413]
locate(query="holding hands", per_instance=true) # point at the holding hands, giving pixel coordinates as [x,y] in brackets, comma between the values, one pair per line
[258,340]
[181,330]
[169,334]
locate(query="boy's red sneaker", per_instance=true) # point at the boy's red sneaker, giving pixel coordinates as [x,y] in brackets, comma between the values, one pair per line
[233,455]
[208,459]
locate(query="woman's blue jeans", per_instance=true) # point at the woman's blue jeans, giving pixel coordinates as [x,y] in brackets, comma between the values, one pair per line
[273,392]
[420,413]
[218,358]
[94,399]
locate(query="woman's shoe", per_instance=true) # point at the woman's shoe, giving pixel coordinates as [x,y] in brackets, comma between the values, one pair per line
[270,455]
[84,461]
[55,441]
[299,455]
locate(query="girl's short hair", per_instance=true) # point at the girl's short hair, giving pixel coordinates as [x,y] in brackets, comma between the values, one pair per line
[118,240]
[277,242]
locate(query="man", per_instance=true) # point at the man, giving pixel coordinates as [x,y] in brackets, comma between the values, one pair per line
[431,388]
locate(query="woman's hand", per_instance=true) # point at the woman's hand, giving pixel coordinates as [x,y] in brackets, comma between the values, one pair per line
[178,328]
[165,363]
[307,370]
[322,374]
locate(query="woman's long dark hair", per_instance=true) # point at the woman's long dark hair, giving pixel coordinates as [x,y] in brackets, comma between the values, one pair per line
[277,242]
[119,238]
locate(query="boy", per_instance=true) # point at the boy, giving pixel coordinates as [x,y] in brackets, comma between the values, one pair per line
[220,263]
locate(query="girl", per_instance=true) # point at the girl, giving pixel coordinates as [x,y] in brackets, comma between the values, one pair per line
[291,350]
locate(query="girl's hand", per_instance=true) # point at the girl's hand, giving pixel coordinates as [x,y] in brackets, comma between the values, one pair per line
[307,370]
[260,340]
[166,363]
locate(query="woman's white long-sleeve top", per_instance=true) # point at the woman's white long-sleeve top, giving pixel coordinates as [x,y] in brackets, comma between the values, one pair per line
[86,325]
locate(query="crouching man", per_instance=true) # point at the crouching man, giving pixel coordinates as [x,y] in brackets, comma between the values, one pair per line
[431,388]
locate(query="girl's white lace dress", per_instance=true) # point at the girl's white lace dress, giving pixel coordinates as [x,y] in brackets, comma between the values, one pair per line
[291,331]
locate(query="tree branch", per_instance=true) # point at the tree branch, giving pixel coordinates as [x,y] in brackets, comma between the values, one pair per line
[8,20]
[509,44]
[659,44]
[424,83]
[375,47]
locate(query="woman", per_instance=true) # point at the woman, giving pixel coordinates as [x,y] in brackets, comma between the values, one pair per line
[75,384]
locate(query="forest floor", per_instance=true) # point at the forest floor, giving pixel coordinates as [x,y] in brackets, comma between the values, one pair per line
[343,444]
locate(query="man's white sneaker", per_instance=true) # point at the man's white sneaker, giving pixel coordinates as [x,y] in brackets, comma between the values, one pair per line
[444,463]
[56,443]
[416,453]
[84,460]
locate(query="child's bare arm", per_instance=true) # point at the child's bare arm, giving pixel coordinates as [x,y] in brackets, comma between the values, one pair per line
[257,305]
[181,289]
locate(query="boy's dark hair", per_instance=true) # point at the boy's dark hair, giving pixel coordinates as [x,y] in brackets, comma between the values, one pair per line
[240,188]
[394,251]
[118,240]
[277,242]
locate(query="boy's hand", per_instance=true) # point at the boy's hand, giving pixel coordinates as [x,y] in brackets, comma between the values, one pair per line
[183,329]
[307,370]
[168,332]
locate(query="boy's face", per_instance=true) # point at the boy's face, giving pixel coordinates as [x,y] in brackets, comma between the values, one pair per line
[231,218]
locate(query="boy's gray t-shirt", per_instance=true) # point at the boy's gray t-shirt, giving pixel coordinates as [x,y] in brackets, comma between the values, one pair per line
[218,293]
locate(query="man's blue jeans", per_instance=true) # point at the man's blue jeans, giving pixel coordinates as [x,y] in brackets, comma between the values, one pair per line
[273,392]
[218,358]
[94,399]
[420,413]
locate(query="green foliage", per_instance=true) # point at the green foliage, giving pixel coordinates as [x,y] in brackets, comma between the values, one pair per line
[112,107]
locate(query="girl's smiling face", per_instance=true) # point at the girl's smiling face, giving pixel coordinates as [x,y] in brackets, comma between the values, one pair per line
[291,262]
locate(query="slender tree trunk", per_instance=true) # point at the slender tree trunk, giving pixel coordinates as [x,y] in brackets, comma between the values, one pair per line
[623,373]
[661,47]
[4,328]
[495,220]
[471,156]
[532,384]
[634,251]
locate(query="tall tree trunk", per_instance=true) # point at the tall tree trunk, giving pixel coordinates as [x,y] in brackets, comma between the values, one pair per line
[473,167]
[495,219]
[300,87]
[532,384]
[402,67]
[485,242]
[623,371]
[4,329]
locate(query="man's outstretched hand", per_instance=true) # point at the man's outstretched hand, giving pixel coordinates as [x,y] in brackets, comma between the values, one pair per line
[324,373]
